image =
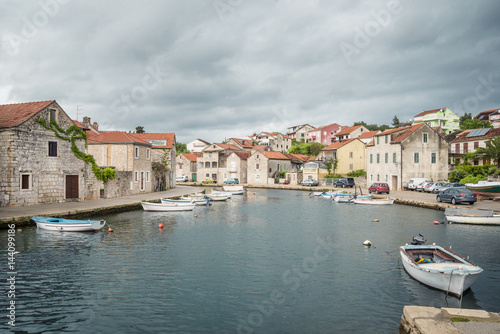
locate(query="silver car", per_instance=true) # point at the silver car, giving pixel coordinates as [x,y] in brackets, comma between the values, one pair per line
[434,185]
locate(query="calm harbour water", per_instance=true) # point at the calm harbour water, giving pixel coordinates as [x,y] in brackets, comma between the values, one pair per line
[272,263]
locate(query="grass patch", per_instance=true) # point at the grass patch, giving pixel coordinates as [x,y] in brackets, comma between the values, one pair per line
[459,319]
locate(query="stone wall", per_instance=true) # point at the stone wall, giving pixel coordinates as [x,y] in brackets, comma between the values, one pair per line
[120,185]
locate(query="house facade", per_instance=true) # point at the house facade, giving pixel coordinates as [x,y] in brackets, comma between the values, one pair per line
[275,141]
[492,116]
[350,155]
[324,134]
[237,166]
[397,155]
[443,117]
[263,167]
[186,165]
[469,141]
[241,143]
[351,132]
[197,145]
[213,162]
[38,166]
[299,132]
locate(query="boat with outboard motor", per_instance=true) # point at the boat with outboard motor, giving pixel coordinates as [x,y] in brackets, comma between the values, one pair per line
[68,225]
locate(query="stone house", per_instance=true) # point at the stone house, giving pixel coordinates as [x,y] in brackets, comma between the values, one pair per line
[275,141]
[127,154]
[325,134]
[186,165]
[367,137]
[197,145]
[213,162]
[492,116]
[314,170]
[241,143]
[36,165]
[397,155]
[299,132]
[351,132]
[442,117]
[263,167]
[163,151]
[350,155]
[237,166]
[469,141]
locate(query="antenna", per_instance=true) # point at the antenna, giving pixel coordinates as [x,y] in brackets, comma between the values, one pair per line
[78,109]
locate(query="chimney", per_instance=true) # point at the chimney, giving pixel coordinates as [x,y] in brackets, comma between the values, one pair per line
[86,121]
[96,126]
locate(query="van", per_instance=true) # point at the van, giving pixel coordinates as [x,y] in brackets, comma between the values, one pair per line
[412,185]
[183,178]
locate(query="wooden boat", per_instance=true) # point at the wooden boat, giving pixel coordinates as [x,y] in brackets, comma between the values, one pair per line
[214,197]
[167,207]
[328,194]
[349,197]
[485,188]
[196,200]
[68,225]
[373,201]
[220,192]
[318,193]
[469,216]
[186,200]
[235,190]
[439,267]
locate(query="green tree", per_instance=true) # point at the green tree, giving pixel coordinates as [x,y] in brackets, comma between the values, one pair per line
[139,129]
[395,121]
[474,124]
[315,149]
[491,151]
[465,117]
[328,165]
[181,148]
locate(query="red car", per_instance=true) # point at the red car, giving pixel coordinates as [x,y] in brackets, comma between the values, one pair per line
[379,188]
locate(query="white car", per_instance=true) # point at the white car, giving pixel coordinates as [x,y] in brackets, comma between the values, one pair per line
[412,185]
[183,178]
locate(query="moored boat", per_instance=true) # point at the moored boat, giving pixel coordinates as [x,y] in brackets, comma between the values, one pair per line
[235,190]
[349,197]
[68,225]
[147,206]
[373,201]
[216,198]
[468,216]
[220,192]
[186,200]
[439,267]
[485,188]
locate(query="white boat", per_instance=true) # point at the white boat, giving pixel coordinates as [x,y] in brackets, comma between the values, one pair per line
[215,198]
[328,194]
[196,200]
[167,207]
[235,190]
[468,216]
[220,192]
[186,200]
[68,225]
[318,193]
[349,197]
[486,188]
[439,268]
[373,201]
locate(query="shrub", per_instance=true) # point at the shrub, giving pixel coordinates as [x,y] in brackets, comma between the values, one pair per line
[473,179]
[356,173]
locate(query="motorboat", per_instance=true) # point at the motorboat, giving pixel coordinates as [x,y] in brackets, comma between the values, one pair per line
[68,225]
[373,201]
[186,200]
[349,197]
[485,188]
[216,198]
[438,267]
[147,206]
[235,190]
[220,192]
[469,216]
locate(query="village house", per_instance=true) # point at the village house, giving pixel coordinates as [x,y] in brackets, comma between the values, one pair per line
[129,156]
[213,162]
[492,116]
[351,132]
[469,141]
[299,132]
[242,143]
[367,137]
[443,117]
[314,170]
[275,141]
[38,166]
[265,167]
[186,165]
[397,155]
[197,145]
[325,134]
[237,166]
[349,154]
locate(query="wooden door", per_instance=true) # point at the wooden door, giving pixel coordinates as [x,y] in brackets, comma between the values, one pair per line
[71,186]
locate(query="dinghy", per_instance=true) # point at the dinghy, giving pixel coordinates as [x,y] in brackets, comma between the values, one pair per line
[68,225]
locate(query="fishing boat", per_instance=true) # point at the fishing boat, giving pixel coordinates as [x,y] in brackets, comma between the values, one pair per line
[167,207]
[328,194]
[68,225]
[220,192]
[438,267]
[186,200]
[373,201]
[235,190]
[469,216]
[216,198]
[349,197]
[318,193]
[196,200]
[485,188]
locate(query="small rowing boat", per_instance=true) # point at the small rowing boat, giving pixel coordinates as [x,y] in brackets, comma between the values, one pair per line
[468,216]
[68,225]
[373,201]
[167,207]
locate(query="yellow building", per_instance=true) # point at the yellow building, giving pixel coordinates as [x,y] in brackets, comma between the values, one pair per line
[350,155]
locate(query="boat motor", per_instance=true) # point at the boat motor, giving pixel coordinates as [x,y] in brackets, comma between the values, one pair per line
[418,240]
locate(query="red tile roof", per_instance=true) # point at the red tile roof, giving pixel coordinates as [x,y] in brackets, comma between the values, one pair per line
[462,136]
[243,142]
[407,133]
[368,134]
[273,155]
[260,147]
[80,125]
[228,147]
[191,156]
[242,155]
[15,114]
[426,112]
[338,144]
[168,136]
[348,130]
[484,115]
[302,157]
[389,131]
[116,137]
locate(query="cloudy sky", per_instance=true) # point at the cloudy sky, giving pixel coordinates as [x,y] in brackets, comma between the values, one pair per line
[216,69]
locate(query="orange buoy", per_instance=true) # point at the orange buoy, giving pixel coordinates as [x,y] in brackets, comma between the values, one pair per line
[297,195]
[310,197]
[244,198]
[160,226]
[110,229]
[254,193]
[436,222]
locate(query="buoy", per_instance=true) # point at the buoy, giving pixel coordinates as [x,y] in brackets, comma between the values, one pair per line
[254,193]
[367,243]
[436,222]
[297,195]
[310,197]
[375,220]
[160,226]
[244,198]
[110,229]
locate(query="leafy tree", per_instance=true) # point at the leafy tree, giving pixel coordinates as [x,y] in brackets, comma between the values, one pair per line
[181,148]
[328,165]
[139,129]
[372,127]
[395,121]
[311,149]
[474,124]
[465,117]
[315,149]
[491,151]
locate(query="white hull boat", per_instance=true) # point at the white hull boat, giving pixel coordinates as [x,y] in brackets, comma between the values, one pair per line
[372,201]
[235,190]
[439,268]
[468,216]
[68,225]
[186,200]
[217,198]
[167,207]
[220,192]
[349,198]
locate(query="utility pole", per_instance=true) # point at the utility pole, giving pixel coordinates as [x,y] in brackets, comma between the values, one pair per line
[77,109]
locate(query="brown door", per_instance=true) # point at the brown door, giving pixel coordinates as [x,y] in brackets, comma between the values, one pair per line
[71,186]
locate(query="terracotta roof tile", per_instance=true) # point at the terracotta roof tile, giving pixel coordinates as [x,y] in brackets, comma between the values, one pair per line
[168,136]
[426,112]
[407,133]
[368,134]
[323,126]
[191,156]
[115,137]
[228,147]
[15,114]
[389,131]
[243,142]
[242,154]
[302,157]
[273,155]
[338,144]
[348,130]
[462,136]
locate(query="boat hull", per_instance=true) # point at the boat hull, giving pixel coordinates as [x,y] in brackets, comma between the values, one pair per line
[68,225]
[217,198]
[186,201]
[494,220]
[369,201]
[451,277]
[160,207]
[486,189]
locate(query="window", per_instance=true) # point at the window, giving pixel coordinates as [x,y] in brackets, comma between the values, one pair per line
[257,177]
[386,138]
[136,152]
[147,176]
[433,158]
[416,157]
[378,140]
[25,181]
[207,164]
[148,154]
[351,166]
[136,177]
[378,158]
[214,164]
[378,177]
[386,157]
[476,145]
[466,147]
[457,148]
[52,149]
[209,154]
[371,158]
[200,164]
[386,178]
[53,114]
[394,157]
[207,175]
[257,166]
[350,155]
[371,177]
[180,166]
[425,137]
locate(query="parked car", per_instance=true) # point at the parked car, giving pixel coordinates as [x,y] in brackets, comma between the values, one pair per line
[456,195]
[379,188]
[309,183]
[422,185]
[209,181]
[412,185]
[232,181]
[429,188]
[344,182]
[448,185]
[183,178]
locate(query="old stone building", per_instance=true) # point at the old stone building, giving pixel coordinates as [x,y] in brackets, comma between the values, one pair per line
[212,164]
[264,167]
[237,166]
[37,166]
[186,165]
